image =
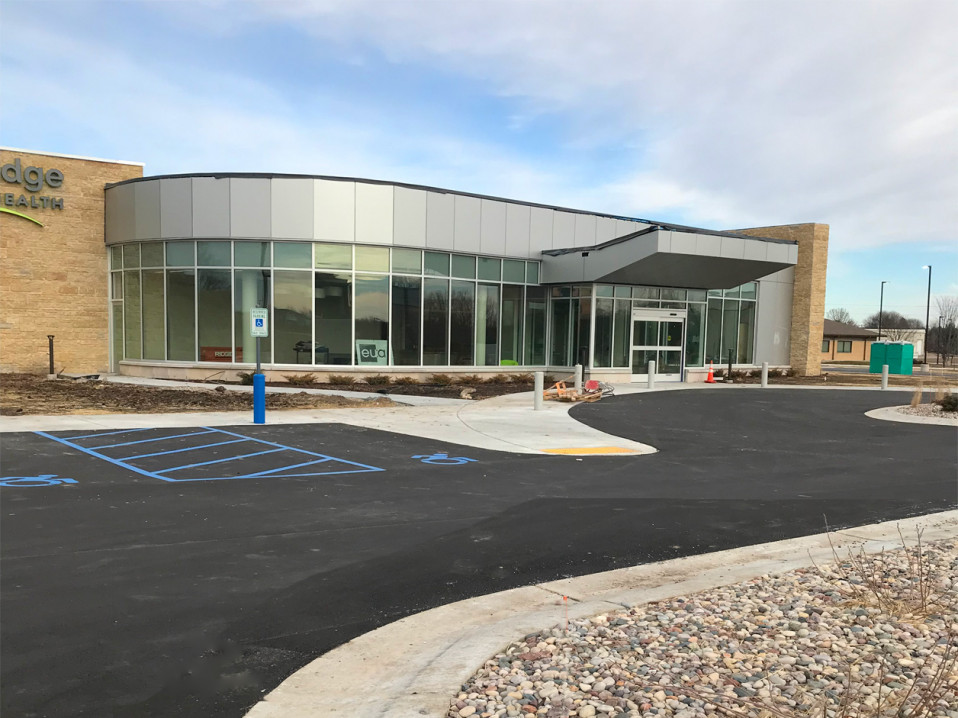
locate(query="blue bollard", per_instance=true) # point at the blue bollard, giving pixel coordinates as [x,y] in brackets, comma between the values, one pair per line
[259,399]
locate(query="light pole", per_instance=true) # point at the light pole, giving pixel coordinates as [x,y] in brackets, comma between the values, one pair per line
[927,310]
[881,304]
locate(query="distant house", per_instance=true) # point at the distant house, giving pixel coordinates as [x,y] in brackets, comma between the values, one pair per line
[846,342]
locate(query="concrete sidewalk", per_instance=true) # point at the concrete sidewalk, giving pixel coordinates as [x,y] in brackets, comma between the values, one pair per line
[415,666]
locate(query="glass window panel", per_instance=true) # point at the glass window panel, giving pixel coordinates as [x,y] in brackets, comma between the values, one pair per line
[673,295]
[407,261]
[131,256]
[715,292]
[746,332]
[697,295]
[673,305]
[582,331]
[116,282]
[251,289]
[511,333]
[214,307]
[213,254]
[490,269]
[131,313]
[624,292]
[116,316]
[733,292]
[251,254]
[116,257]
[292,255]
[535,329]
[670,362]
[558,292]
[532,272]
[826,345]
[713,331]
[670,334]
[180,254]
[621,340]
[695,336]
[561,315]
[154,329]
[334,319]
[513,271]
[463,266]
[292,329]
[151,254]
[749,290]
[333,256]
[461,322]
[604,308]
[435,319]
[372,318]
[603,290]
[654,303]
[487,325]
[641,359]
[585,291]
[645,333]
[436,264]
[181,314]
[729,330]
[372,259]
[645,292]
[406,310]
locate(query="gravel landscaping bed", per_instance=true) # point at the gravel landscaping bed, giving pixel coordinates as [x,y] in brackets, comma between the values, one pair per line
[932,410]
[865,637]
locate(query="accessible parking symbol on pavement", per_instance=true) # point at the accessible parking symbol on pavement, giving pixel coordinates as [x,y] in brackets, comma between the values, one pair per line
[205,454]
[31,481]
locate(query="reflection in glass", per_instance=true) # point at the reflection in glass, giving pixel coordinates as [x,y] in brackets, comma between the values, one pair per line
[513,271]
[730,329]
[713,335]
[372,307]
[151,254]
[435,319]
[181,314]
[407,261]
[746,332]
[511,349]
[372,259]
[334,319]
[535,336]
[153,310]
[213,254]
[436,264]
[461,337]
[487,325]
[583,325]
[292,255]
[695,335]
[560,332]
[292,329]
[131,313]
[405,320]
[463,266]
[251,289]
[490,269]
[251,254]
[641,359]
[620,335]
[333,256]
[602,356]
[180,254]
[214,308]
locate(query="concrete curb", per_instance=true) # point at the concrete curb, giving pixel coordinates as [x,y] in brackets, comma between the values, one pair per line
[891,413]
[413,667]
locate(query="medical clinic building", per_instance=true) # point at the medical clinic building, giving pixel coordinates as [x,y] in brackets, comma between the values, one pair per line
[157,276]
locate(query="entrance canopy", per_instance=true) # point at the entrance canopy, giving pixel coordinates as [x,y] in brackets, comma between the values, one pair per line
[672,256]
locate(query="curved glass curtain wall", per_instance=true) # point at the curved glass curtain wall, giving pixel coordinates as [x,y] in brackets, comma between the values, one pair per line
[330,305]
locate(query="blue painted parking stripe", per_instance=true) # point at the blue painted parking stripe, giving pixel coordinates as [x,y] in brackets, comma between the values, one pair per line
[288,476]
[101,433]
[147,441]
[286,468]
[98,455]
[188,448]
[220,461]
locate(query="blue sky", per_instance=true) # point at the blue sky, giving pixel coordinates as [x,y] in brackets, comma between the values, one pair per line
[721,114]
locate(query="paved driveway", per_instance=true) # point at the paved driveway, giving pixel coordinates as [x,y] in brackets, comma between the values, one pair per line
[161,583]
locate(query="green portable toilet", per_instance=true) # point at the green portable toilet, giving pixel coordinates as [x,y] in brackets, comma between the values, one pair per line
[899,356]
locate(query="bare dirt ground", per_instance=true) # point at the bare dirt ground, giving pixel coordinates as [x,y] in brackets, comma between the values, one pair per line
[22,394]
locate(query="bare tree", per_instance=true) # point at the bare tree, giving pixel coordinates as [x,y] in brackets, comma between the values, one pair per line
[894,325]
[946,336]
[840,314]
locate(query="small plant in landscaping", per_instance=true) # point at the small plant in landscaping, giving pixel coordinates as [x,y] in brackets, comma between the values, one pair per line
[405,381]
[307,379]
[441,379]
[341,379]
[469,379]
[499,379]
[379,379]
[949,402]
[524,378]
[916,396]
[245,377]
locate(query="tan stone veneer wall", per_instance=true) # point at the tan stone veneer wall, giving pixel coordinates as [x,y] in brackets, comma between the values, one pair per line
[808,292]
[53,279]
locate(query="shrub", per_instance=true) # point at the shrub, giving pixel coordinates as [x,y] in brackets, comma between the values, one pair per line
[307,379]
[246,377]
[441,379]
[469,379]
[499,379]
[948,403]
[524,378]
[916,396]
[341,379]
[379,379]
[405,380]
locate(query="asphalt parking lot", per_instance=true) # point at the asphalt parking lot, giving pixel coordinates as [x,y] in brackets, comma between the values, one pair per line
[186,572]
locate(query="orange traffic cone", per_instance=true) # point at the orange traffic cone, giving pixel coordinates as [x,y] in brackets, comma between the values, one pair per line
[710,379]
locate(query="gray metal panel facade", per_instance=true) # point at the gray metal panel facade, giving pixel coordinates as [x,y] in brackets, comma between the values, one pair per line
[518,220]
[176,207]
[466,231]
[440,220]
[774,320]
[604,229]
[374,213]
[584,230]
[146,212]
[334,211]
[291,208]
[492,228]
[119,218]
[563,230]
[409,217]
[540,230]
[733,248]
[211,207]
[249,207]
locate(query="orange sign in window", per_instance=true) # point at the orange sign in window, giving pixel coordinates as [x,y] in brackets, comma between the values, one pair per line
[220,354]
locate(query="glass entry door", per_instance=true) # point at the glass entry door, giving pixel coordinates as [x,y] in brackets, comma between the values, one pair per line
[657,336]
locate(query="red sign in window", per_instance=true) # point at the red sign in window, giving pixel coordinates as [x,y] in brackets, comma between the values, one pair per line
[220,354]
